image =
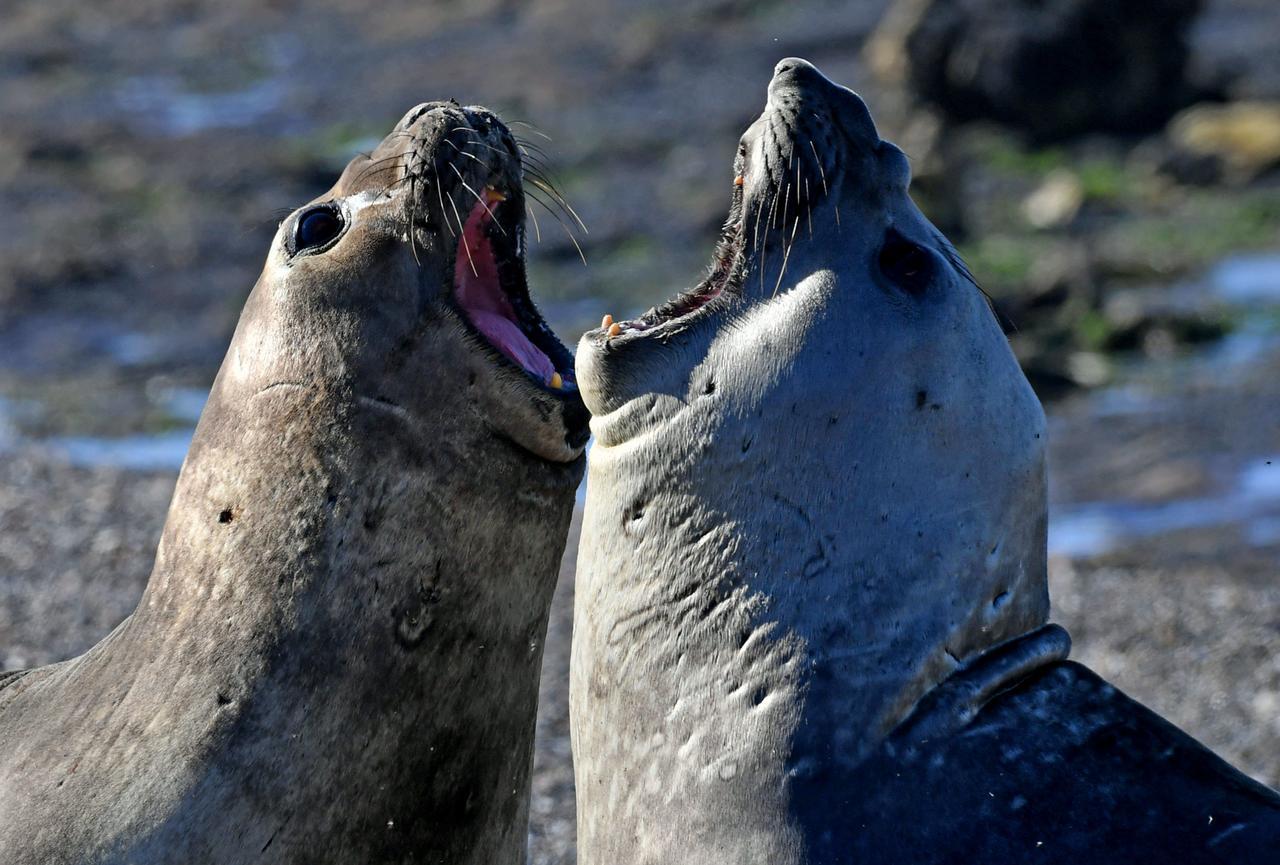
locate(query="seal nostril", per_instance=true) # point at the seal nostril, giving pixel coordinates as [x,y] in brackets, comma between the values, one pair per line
[789,64]
[796,70]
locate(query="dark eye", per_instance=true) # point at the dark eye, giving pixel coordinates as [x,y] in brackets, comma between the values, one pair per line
[317,227]
[908,265]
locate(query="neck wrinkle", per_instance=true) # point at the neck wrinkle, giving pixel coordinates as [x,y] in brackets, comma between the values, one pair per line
[955,701]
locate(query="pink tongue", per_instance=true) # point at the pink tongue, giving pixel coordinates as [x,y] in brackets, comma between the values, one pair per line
[476,286]
[514,344]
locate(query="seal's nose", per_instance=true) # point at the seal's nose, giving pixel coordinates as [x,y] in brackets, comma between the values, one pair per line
[797,80]
[797,72]
[414,114]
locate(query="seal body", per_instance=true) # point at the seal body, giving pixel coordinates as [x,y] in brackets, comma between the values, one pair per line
[336,658]
[1060,768]
[817,495]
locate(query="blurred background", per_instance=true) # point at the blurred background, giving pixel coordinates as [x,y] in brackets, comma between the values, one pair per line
[1111,172]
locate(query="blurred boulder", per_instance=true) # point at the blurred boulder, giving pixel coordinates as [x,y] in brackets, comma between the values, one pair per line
[1242,139]
[939,167]
[1055,203]
[1050,69]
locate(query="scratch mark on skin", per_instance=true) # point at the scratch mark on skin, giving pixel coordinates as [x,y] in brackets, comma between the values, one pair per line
[820,560]
[1221,836]
[278,384]
[386,406]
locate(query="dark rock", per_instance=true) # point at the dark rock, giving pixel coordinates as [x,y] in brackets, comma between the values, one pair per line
[1051,69]
[1159,155]
[939,169]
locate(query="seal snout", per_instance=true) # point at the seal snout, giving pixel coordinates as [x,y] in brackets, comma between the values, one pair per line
[445,193]
[796,71]
[797,85]
[466,188]
[812,136]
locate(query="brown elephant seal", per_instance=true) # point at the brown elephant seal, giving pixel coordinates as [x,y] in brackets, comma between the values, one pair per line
[811,600]
[336,658]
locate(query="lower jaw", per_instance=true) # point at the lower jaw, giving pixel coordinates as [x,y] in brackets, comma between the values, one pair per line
[690,306]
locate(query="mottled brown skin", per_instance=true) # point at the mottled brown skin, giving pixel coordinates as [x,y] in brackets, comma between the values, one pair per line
[336,658]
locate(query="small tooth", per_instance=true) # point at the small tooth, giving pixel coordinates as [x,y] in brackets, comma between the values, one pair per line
[556,381]
[739,180]
[615,329]
[493,196]
[607,320]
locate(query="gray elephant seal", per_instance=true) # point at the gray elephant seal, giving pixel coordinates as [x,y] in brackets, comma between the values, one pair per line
[811,600]
[336,658]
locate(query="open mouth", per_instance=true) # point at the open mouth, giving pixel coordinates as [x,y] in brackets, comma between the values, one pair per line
[490,286]
[724,277]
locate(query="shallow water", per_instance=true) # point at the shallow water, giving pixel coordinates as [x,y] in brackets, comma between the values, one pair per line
[162,105]
[170,106]
[159,452]
[1249,497]
[1248,279]
[1085,529]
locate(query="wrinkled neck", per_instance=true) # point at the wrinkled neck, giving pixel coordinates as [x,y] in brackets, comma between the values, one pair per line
[876,584]
[760,601]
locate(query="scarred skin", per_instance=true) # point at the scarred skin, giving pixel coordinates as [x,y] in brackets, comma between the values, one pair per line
[336,658]
[811,600]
